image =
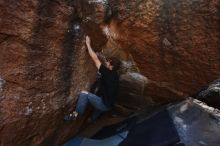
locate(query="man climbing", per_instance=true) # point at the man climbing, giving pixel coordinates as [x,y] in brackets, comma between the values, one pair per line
[104,99]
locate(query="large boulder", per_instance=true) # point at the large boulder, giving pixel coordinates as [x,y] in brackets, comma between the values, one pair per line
[169,49]
[196,123]
[210,94]
[175,43]
[43,67]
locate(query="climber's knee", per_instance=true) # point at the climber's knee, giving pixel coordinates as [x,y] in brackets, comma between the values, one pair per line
[85,92]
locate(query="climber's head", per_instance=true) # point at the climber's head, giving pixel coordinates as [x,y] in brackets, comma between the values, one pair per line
[113,63]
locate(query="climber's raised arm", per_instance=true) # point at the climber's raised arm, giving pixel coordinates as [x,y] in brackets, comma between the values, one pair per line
[92,53]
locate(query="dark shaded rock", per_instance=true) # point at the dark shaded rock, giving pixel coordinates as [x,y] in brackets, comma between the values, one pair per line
[211,94]
[191,123]
[131,94]
[196,123]
[98,39]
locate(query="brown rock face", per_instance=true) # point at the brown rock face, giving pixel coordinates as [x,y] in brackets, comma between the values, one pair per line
[43,67]
[174,44]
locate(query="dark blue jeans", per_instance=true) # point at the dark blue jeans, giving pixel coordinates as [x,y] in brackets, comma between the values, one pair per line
[94,100]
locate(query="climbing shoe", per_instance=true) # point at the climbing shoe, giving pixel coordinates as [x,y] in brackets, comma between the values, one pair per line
[71,116]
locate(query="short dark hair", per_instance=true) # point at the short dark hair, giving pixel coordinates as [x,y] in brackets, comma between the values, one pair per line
[115,62]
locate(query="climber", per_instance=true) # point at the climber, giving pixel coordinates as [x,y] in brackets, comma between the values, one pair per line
[104,98]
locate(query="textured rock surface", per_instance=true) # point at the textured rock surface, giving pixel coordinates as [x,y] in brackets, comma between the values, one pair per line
[43,66]
[211,94]
[196,123]
[174,43]
[44,63]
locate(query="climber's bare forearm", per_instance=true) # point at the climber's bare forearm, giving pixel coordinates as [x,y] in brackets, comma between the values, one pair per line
[92,53]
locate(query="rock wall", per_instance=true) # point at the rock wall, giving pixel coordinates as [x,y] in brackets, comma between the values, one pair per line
[169,49]
[174,43]
[43,66]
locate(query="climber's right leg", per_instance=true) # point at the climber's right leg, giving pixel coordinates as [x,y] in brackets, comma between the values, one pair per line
[80,106]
